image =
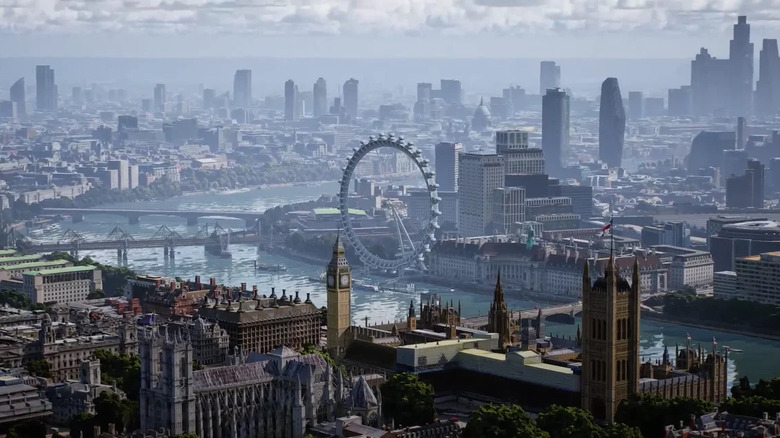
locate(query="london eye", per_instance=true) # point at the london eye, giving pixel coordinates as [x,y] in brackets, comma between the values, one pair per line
[411,250]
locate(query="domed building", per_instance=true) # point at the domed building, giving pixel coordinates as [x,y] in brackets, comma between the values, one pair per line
[482,120]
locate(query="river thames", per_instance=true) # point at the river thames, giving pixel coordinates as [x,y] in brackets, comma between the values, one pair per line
[760,357]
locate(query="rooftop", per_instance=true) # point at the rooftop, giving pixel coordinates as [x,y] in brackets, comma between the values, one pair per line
[66,270]
[335,211]
[33,265]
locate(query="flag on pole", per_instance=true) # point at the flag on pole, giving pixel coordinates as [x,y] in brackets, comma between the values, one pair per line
[688,336]
[714,342]
[608,226]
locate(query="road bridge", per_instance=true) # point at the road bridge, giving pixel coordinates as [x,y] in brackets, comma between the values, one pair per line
[566,309]
[134,216]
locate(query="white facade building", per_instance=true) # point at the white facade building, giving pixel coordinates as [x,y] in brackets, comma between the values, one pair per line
[479,175]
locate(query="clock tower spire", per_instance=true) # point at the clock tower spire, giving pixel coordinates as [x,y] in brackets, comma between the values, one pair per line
[339,278]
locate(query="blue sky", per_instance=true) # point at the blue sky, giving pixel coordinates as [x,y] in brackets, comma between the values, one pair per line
[378,28]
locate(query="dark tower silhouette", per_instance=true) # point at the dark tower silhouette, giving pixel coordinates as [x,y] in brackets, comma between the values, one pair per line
[242,89]
[320,98]
[741,59]
[290,100]
[350,91]
[610,340]
[18,95]
[46,89]
[555,130]
[498,317]
[612,124]
[768,85]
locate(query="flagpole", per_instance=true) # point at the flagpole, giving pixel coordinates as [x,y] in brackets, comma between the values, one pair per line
[611,236]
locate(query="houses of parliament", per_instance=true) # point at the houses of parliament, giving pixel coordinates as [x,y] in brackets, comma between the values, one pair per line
[513,361]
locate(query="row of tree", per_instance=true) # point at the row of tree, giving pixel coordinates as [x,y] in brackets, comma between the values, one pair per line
[251,176]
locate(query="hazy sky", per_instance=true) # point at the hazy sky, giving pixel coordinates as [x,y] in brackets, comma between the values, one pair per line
[378,28]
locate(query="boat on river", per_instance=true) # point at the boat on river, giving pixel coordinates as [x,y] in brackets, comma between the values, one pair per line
[365,287]
[271,268]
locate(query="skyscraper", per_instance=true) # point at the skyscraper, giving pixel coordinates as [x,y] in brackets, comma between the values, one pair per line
[242,89]
[741,58]
[555,130]
[758,182]
[451,91]
[447,163]
[768,85]
[680,101]
[46,89]
[320,98]
[290,100]
[209,98]
[350,93]
[518,157]
[159,97]
[18,95]
[635,105]
[612,124]
[479,175]
[549,76]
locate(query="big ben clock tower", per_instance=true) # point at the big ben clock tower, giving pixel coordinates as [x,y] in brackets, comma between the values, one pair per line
[339,278]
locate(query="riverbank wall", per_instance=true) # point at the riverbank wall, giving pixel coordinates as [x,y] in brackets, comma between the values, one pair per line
[660,317]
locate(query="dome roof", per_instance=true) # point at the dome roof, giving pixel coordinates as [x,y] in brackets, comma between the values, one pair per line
[482,111]
[362,396]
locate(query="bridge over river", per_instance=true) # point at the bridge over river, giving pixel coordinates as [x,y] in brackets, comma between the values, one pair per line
[566,309]
[134,216]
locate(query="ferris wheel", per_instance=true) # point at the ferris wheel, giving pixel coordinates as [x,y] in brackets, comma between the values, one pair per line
[411,251]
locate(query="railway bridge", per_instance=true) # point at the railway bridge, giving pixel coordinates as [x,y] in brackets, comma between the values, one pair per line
[134,216]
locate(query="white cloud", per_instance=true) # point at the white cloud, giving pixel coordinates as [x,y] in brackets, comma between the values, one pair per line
[287,17]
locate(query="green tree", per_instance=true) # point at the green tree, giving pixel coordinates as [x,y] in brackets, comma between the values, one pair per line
[408,400]
[620,430]
[98,293]
[196,366]
[110,408]
[39,368]
[121,369]
[498,421]
[568,422]
[82,423]
[651,413]
[28,429]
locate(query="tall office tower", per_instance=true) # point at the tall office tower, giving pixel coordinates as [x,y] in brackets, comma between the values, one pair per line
[290,100]
[516,98]
[680,101]
[610,340]
[350,94]
[758,171]
[451,91]
[612,124]
[710,81]
[479,175]
[76,96]
[768,85]
[424,91]
[45,88]
[508,209]
[555,130]
[209,98]
[549,76]
[741,58]
[447,165]
[242,89]
[519,159]
[159,97]
[635,105]
[320,98]
[18,95]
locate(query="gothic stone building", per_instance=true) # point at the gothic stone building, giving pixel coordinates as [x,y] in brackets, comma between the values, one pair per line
[274,395]
[262,324]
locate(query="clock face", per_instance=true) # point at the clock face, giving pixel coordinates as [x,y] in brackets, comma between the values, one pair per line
[331,280]
[344,280]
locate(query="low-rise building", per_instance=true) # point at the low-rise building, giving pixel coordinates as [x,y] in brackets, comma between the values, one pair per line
[756,278]
[21,401]
[688,267]
[9,271]
[73,396]
[725,285]
[62,285]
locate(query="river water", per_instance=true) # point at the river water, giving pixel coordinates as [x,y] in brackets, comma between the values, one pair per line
[760,359]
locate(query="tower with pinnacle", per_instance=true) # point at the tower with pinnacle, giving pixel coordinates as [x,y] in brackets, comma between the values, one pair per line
[610,340]
[339,284]
[498,317]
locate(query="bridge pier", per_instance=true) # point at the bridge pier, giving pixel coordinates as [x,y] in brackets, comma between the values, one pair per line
[169,252]
[192,221]
[121,255]
[134,219]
